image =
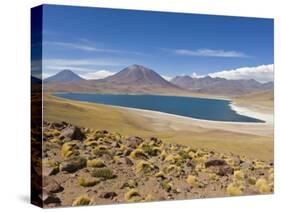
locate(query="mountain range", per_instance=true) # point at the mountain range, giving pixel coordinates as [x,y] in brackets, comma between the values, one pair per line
[139,79]
[64,76]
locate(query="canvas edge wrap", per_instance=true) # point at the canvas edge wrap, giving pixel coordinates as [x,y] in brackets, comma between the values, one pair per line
[36,105]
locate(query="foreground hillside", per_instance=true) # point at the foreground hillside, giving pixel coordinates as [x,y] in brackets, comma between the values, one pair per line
[253,140]
[83,166]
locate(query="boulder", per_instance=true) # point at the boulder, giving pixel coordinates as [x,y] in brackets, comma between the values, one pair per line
[72,133]
[48,171]
[73,164]
[215,162]
[156,141]
[49,198]
[134,141]
[222,170]
[126,161]
[108,195]
[51,185]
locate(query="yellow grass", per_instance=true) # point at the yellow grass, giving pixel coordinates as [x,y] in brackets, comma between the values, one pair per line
[130,123]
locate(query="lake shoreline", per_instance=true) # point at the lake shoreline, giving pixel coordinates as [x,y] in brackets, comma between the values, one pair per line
[221,136]
[238,110]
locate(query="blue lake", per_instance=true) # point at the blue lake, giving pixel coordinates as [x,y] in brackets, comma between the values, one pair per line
[199,108]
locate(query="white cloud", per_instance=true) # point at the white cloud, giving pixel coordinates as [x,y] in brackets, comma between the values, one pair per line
[209,53]
[87,47]
[262,73]
[195,75]
[84,62]
[168,78]
[82,66]
[97,75]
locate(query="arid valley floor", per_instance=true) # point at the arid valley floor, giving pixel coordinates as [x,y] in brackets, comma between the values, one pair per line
[97,154]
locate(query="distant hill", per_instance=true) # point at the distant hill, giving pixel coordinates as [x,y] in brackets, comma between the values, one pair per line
[136,75]
[64,76]
[264,98]
[220,86]
[133,79]
[137,79]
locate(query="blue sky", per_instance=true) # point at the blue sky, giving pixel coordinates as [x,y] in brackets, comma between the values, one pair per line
[89,40]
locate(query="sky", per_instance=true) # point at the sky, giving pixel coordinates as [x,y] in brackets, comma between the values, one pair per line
[96,42]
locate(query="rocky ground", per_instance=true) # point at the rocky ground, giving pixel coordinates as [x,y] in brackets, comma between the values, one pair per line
[86,167]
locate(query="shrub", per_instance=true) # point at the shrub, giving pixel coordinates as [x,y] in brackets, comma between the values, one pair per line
[160,174]
[96,163]
[173,159]
[259,165]
[67,149]
[252,180]
[173,170]
[132,195]
[239,175]
[163,155]
[100,150]
[234,190]
[138,154]
[88,182]
[55,140]
[90,142]
[149,198]
[213,176]
[192,180]
[263,186]
[100,134]
[73,164]
[144,167]
[105,173]
[82,200]
[184,154]
[50,163]
[166,185]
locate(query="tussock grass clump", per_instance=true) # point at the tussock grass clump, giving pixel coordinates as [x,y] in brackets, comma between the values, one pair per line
[138,154]
[149,149]
[95,163]
[163,155]
[105,173]
[166,185]
[100,150]
[192,180]
[55,141]
[160,174]
[174,159]
[81,200]
[100,134]
[173,170]
[132,195]
[51,132]
[144,167]
[252,180]
[234,189]
[259,165]
[50,163]
[67,149]
[87,182]
[263,186]
[184,154]
[239,175]
[54,165]
[91,142]
[149,198]
[73,164]
[213,176]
